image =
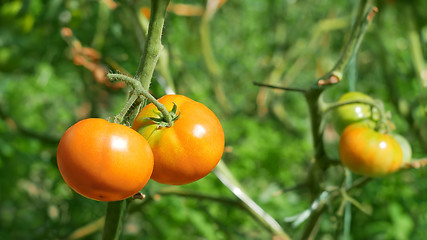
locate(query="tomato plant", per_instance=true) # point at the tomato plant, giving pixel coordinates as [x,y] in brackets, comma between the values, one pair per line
[368,152]
[188,150]
[354,112]
[104,161]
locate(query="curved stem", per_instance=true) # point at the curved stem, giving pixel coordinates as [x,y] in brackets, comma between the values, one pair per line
[140,90]
[153,45]
[227,178]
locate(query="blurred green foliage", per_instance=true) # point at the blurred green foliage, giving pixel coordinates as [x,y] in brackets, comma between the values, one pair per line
[282,42]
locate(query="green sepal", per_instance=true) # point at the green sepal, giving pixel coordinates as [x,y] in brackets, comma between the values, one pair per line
[161,120]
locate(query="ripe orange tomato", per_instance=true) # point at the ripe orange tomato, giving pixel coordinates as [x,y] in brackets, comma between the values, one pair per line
[188,150]
[104,161]
[368,152]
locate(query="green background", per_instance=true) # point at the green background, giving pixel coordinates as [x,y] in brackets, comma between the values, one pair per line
[269,146]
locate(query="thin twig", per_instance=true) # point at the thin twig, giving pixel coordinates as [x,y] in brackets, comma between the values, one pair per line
[279,87]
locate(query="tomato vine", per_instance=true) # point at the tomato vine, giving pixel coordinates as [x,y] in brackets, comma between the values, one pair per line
[149,57]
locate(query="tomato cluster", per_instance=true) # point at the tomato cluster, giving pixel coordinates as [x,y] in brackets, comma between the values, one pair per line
[110,162]
[362,147]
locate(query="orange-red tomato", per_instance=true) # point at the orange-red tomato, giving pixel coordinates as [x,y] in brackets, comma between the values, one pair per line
[368,152]
[104,161]
[188,150]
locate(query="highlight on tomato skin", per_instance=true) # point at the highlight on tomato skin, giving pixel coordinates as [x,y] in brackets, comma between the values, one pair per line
[370,153]
[187,151]
[104,161]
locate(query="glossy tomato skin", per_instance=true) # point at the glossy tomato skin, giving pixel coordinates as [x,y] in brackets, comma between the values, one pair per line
[104,161]
[370,153]
[188,150]
[353,113]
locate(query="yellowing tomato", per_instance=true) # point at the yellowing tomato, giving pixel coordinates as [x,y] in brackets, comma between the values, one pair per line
[188,150]
[104,161]
[368,152]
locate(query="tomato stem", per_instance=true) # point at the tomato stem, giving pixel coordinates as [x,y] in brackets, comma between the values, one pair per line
[153,46]
[140,90]
[119,118]
[114,220]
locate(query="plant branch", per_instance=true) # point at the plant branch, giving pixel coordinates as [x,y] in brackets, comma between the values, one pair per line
[316,174]
[227,178]
[321,207]
[279,87]
[153,45]
[358,32]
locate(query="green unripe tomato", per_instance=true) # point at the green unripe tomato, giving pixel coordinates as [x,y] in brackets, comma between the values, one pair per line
[353,113]
[405,146]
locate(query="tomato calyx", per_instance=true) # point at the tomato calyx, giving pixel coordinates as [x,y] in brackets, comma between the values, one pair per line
[161,120]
